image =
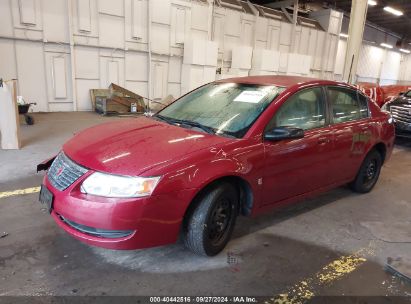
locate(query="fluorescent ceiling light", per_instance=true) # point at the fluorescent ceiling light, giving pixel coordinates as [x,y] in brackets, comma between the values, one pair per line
[388,46]
[393,11]
[343,35]
[405,51]
[372,2]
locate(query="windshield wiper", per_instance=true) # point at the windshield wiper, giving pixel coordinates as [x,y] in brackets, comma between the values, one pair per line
[186,123]
[163,118]
[197,125]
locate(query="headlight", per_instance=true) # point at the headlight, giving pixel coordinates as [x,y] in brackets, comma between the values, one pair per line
[119,186]
[391,119]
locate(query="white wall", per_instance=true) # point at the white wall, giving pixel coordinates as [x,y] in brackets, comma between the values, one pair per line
[60,49]
[376,64]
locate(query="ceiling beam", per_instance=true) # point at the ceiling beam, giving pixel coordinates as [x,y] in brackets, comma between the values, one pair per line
[279,4]
[287,15]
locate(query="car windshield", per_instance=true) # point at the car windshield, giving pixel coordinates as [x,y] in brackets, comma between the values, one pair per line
[408,94]
[221,108]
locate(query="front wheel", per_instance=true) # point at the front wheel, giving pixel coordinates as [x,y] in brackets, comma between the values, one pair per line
[208,227]
[368,174]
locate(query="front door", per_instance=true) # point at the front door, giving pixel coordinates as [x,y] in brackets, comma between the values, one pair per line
[298,166]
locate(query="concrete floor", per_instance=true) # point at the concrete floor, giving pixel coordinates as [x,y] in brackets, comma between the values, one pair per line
[271,254]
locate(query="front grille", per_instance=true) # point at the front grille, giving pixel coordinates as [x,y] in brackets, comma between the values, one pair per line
[103,233]
[401,113]
[64,172]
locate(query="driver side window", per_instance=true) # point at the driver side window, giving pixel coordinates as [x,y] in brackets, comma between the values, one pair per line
[305,110]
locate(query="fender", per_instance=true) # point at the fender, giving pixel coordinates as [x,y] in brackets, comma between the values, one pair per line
[241,160]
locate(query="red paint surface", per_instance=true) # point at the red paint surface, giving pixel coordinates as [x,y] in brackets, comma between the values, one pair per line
[188,161]
[382,94]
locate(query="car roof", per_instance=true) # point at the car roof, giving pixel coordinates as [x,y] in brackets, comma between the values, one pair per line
[282,81]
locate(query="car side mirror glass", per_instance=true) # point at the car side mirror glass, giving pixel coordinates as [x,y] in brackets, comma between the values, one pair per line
[281,133]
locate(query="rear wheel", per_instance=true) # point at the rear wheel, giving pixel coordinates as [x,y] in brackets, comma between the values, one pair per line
[368,174]
[208,227]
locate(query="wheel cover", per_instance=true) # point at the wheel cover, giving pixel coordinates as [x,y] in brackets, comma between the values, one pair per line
[220,220]
[371,171]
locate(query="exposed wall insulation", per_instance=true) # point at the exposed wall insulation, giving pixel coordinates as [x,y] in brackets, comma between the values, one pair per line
[298,64]
[84,15]
[241,57]
[111,44]
[55,20]
[266,60]
[111,31]
[200,62]
[27,9]
[111,7]
[138,11]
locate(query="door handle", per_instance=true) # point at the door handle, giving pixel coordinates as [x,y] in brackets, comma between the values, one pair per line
[323,140]
[366,130]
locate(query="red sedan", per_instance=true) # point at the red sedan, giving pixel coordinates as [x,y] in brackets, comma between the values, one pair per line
[236,146]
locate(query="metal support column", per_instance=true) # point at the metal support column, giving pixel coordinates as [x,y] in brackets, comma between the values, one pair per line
[355,36]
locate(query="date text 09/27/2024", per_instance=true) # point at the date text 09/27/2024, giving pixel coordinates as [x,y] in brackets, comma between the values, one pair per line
[205,299]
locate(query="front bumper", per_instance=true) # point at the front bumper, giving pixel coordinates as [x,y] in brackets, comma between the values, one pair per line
[119,223]
[402,129]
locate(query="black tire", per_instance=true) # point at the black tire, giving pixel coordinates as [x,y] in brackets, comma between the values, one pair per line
[209,225]
[29,120]
[368,174]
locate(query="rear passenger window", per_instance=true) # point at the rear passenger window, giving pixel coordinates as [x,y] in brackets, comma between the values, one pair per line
[345,105]
[363,105]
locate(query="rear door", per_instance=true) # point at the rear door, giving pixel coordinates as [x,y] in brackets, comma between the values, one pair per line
[297,166]
[351,128]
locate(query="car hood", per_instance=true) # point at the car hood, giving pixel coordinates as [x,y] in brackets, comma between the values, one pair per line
[132,146]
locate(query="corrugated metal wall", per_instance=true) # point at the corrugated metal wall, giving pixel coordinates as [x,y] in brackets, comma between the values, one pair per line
[377,65]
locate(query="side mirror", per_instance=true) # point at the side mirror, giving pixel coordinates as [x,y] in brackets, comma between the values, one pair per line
[281,133]
[402,94]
